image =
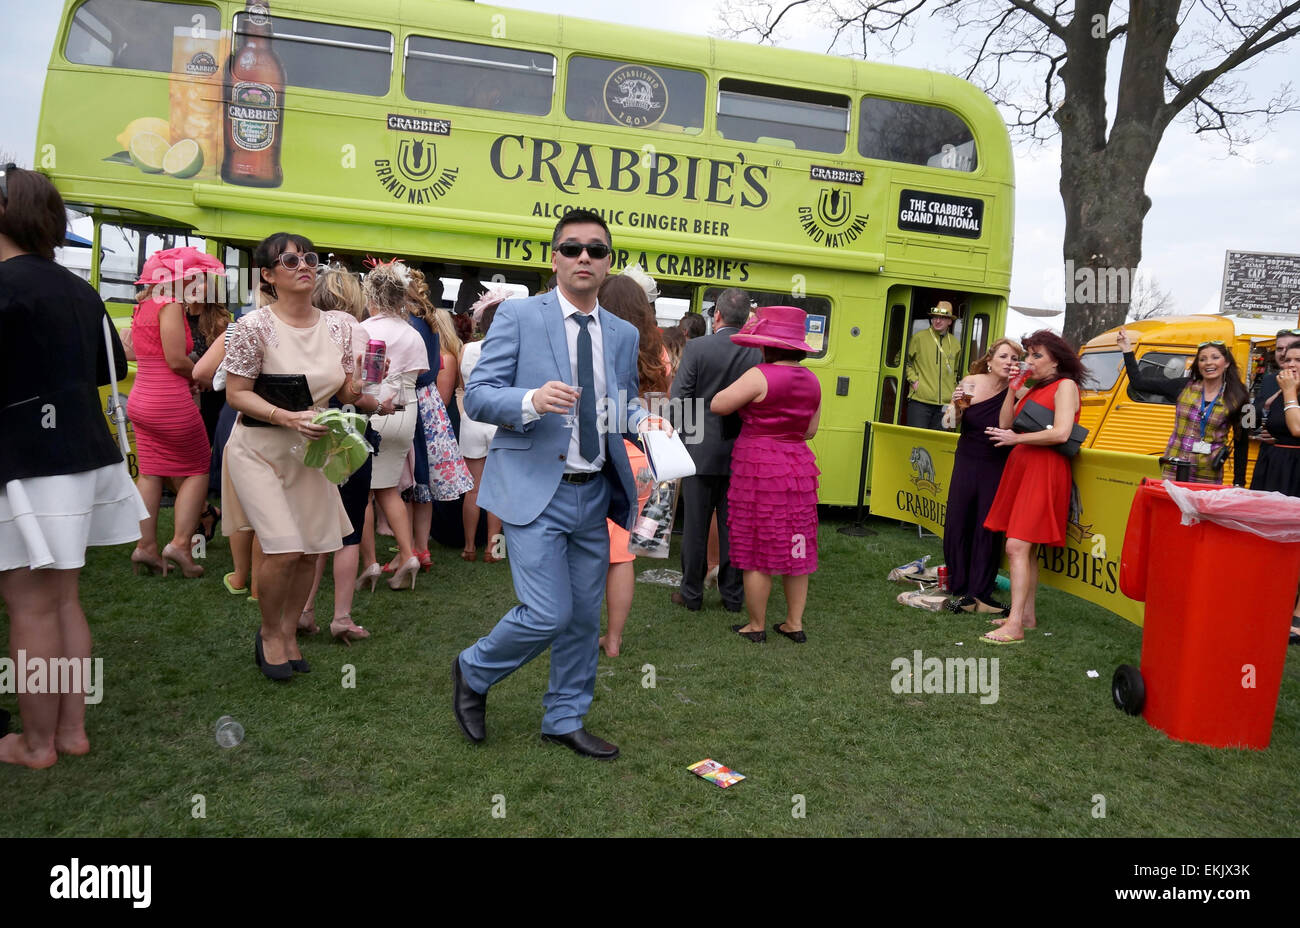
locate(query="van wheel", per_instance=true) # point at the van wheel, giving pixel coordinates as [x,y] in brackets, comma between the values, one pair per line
[1127,689]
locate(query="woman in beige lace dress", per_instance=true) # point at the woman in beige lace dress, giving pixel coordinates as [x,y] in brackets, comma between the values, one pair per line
[294,509]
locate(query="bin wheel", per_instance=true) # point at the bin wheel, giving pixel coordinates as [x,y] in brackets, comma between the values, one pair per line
[1127,689]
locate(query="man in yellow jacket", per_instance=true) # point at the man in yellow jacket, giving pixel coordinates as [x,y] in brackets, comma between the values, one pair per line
[933,359]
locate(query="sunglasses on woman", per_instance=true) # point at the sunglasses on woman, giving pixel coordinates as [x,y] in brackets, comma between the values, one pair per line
[1215,344]
[597,250]
[291,259]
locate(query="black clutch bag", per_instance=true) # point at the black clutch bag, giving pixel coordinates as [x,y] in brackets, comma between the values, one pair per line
[285,391]
[1036,417]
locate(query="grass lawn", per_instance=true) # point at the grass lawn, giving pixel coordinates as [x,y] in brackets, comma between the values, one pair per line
[818,721]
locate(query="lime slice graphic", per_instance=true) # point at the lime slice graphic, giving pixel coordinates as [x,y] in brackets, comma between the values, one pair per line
[183,159]
[148,149]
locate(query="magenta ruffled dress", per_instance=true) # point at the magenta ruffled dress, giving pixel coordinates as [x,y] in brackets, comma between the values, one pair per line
[772,500]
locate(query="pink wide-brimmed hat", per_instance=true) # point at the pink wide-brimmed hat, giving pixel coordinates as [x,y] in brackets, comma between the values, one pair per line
[775,327]
[172,264]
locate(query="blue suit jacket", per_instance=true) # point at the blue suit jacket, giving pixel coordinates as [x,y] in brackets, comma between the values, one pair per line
[524,348]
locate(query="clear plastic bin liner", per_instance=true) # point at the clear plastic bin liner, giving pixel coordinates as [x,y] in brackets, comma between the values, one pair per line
[1274,516]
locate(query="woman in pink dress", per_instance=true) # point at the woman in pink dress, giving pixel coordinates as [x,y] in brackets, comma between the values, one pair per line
[170,439]
[772,499]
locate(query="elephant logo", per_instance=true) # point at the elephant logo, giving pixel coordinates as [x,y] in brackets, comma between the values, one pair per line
[923,470]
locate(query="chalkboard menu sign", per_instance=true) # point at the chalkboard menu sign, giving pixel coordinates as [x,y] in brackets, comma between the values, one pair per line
[1254,282]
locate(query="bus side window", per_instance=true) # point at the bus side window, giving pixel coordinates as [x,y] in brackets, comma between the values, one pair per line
[817,308]
[485,77]
[913,133]
[786,117]
[979,336]
[134,34]
[615,93]
[896,335]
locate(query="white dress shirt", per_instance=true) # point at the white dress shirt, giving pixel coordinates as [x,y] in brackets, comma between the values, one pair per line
[574,462]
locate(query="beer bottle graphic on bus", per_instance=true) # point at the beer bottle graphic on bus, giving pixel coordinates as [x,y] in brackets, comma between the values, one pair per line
[254,94]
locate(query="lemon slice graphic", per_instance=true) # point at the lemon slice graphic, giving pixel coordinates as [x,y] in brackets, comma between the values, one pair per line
[184,159]
[143,124]
[148,149]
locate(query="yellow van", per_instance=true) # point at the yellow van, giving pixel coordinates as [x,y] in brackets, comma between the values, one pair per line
[1121,419]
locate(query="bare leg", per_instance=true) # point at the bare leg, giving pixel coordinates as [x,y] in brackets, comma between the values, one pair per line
[277,575]
[345,578]
[151,492]
[241,552]
[32,599]
[307,615]
[191,495]
[389,500]
[1020,555]
[620,585]
[421,525]
[300,581]
[469,507]
[758,586]
[70,735]
[796,598]
[257,559]
[368,555]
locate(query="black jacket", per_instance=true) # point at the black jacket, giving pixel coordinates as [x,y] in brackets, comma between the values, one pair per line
[709,365]
[52,360]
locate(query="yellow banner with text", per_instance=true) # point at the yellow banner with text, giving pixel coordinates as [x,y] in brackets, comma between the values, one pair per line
[911,471]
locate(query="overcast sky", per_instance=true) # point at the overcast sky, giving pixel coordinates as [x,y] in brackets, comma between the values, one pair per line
[1204,202]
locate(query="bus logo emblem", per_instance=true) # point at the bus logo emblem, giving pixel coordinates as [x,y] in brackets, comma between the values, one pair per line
[417,159]
[834,207]
[635,96]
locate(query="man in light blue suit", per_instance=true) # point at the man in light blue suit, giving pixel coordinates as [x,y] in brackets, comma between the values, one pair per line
[553,484]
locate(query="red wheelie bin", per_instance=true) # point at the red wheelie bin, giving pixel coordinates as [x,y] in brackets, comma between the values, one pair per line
[1218,599]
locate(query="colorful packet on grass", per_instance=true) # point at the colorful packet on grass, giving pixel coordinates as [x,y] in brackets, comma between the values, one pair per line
[715,773]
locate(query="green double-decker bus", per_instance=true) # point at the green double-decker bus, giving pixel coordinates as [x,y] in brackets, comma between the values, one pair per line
[457,134]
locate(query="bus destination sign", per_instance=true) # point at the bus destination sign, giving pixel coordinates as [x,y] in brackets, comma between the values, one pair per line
[940,213]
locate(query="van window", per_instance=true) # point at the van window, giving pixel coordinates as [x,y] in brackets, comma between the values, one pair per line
[323,56]
[616,93]
[784,116]
[818,308]
[134,33]
[1103,368]
[1165,364]
[485,77]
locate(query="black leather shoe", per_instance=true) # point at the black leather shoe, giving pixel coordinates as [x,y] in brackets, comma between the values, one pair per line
[300,665]
[279,672]
[679,600]
[585,743]
[468,705]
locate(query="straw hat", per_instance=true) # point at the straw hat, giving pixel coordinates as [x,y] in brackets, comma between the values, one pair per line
[942,309]
[775,327]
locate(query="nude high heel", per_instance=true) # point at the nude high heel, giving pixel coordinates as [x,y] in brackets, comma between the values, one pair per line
[345,630]
[147,563]
[405,572]
[371,576]
[183,560]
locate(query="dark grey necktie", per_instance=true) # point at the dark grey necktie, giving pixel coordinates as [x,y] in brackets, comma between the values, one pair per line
[588,437]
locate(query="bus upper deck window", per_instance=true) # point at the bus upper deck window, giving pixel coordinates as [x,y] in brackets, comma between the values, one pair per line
[483,77]
[323,56]
[638,96]
[912,133]
[134,34]
[788,117]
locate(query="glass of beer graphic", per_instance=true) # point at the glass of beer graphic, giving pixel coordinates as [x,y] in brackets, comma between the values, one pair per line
[196,107]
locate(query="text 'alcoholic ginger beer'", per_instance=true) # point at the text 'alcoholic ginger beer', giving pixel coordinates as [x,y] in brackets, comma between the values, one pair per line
[254,103]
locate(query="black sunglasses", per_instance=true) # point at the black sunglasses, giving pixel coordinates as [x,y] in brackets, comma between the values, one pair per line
[4,182]
[597,250]
[291,259]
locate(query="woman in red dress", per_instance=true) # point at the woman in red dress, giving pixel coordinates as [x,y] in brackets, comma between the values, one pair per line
[170,439]
[1033,500]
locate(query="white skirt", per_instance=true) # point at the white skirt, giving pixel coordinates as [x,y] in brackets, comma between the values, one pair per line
[49,521]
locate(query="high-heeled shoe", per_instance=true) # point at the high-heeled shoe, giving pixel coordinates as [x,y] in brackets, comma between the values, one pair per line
[147,562]
[209,529]
[407,571]
[370,575]
[183,560]
[270,671]
[426,560]
[470,555]
[343,629]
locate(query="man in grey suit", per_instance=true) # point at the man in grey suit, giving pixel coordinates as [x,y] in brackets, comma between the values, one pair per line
[553,484]
[710,364]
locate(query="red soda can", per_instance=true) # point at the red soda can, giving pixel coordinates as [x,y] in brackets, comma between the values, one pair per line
[943,578]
